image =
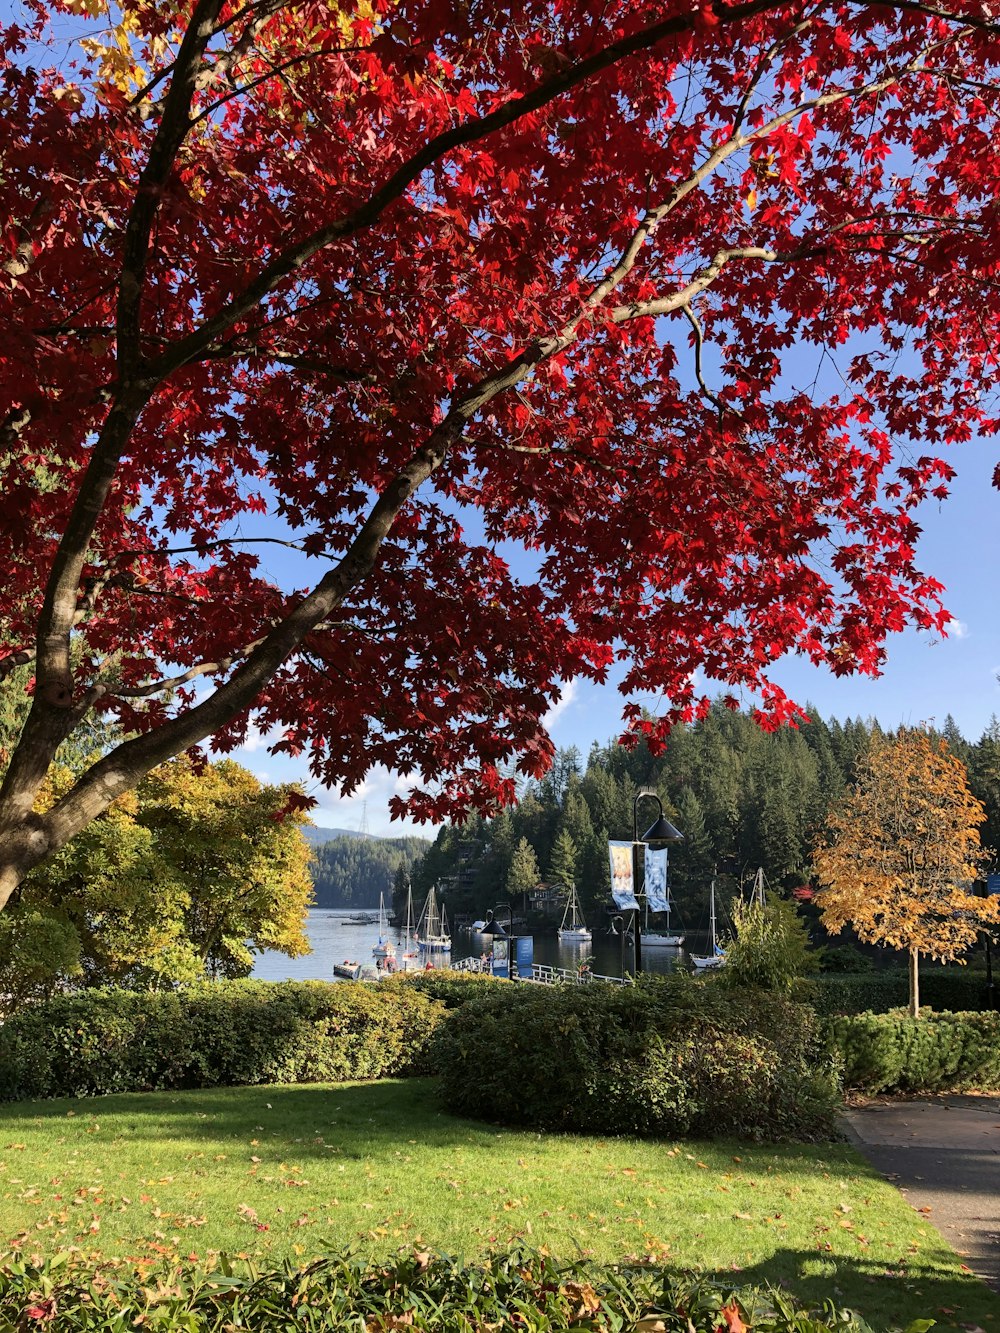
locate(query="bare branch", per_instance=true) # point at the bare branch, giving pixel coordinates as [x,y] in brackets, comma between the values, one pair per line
[102,690]
[699,340]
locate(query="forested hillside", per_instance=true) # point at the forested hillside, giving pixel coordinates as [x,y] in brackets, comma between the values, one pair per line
[351,872]
[741,796]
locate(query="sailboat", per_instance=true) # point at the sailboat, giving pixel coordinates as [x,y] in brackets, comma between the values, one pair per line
[432,927]
[385,948]
[659,939]
[573,929]
[717,956]
[409,952]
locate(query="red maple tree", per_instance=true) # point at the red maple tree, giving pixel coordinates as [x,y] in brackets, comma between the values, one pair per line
[426,278]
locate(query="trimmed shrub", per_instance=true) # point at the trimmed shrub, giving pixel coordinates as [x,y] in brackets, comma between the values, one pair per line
[951,988]
[668,1057]
[452,989]
[420,1291]
[934,1053]
[213,1034]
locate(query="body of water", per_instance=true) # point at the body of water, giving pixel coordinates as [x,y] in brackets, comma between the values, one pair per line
[336,939]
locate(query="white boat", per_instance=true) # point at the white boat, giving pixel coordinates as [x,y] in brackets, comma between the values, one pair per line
[385,948]
[476,926]
[659,939]
[411,955]
[348,970]
[573,928]
[432,927]
[717,956]
[654,939]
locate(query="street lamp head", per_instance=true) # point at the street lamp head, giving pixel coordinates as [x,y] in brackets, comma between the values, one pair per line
[662,831]
[493,928]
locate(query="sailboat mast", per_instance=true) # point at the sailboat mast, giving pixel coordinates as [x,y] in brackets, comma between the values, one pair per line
[711,914]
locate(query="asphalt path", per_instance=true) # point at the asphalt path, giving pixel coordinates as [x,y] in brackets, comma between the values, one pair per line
[943,1154]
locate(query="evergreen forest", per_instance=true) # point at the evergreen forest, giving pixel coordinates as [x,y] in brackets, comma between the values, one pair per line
[351,872]
[742,797]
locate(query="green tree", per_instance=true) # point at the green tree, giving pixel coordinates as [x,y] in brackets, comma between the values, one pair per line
[238,855]
[523,873]
[770,947]
[563,861]
[984,779]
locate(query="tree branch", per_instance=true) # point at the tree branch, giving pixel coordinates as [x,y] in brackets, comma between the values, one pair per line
[719,405]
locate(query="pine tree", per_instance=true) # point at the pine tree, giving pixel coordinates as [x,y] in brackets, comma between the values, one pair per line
[563,861]
[523,873]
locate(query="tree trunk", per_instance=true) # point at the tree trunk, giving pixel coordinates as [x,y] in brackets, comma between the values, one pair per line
[914,983]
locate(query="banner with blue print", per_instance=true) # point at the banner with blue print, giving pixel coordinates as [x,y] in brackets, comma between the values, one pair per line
[622,884]
[656,879]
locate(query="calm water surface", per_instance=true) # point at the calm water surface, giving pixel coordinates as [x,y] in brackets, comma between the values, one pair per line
[335,939]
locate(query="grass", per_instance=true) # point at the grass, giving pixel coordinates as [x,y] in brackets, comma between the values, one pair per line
[288,1171]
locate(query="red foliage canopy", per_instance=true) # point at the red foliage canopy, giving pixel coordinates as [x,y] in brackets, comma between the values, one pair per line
[426,278]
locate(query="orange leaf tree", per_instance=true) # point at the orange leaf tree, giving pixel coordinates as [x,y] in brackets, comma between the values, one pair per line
[903,853]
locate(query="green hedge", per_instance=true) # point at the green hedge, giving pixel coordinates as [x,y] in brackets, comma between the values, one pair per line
[219,1033]
[667,1057]
[452,989]
[418,1291]
[933,1053]
[951,988]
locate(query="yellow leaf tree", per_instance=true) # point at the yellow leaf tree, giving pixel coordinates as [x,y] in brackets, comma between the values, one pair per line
[188,877]
[903,854]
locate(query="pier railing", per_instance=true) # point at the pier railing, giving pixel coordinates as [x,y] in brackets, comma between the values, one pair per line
[553,976]
[543,973]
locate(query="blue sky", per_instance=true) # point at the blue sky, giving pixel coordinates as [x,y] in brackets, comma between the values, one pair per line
[926,676]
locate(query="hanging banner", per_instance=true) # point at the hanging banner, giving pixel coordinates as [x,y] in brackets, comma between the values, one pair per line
[622,887]
[656,879]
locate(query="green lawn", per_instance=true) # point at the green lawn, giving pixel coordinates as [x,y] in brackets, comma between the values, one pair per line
[287,1171]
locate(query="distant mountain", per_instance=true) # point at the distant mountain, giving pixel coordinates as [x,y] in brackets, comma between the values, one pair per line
[317,836]
[349,871]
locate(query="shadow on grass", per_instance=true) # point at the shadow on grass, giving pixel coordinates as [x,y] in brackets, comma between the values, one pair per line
[357,1117]
[889,1296]
[303,1114]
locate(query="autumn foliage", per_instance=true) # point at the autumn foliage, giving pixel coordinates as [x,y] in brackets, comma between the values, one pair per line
[425,282]
[904,853]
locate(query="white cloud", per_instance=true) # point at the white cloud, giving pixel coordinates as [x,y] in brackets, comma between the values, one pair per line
[255,740]
[957,629]
[567,696]
[366,807]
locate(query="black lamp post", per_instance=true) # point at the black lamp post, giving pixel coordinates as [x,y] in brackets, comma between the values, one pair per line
[661,831]
[618,928]
[500,939]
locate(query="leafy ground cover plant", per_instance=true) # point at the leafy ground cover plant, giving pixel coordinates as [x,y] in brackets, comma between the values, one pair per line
[522,1289]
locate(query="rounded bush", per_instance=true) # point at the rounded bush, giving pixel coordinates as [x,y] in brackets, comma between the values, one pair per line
[665,1058]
